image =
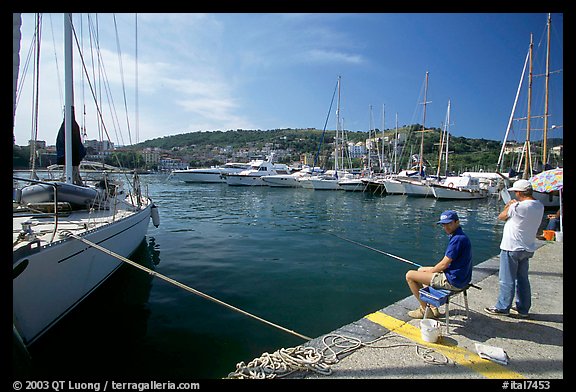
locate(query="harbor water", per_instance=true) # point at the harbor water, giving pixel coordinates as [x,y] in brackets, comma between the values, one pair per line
[269,251]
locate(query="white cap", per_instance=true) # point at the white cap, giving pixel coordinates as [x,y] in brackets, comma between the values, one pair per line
[521,186]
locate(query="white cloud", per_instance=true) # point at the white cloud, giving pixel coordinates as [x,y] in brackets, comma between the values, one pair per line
[327,56]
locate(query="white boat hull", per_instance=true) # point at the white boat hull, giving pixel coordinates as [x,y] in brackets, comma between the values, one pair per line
[325,184]
[55,277]
[192,175]
[444,192]
[244,180]
[353,185]
[282,181]
[420,190]
[306,182]
[394,187]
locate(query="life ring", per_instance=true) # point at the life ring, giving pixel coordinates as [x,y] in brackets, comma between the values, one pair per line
[450,185]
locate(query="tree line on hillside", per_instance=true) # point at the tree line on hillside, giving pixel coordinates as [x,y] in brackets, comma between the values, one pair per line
[465,153]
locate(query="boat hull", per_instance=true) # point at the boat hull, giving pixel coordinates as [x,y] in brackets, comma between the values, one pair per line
[394,187]
[442,192]
[51,279]
[305,182]
[244,180]
[203,176]
[282,181]
[418,190]
[325,184]
[352,185]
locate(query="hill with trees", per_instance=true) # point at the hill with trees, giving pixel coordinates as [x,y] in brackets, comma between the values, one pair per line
[197,148]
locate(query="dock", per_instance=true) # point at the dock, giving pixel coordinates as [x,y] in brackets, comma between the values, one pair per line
[534,346]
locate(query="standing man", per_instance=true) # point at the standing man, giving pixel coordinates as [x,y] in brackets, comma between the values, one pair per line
[523,216]
[453,272]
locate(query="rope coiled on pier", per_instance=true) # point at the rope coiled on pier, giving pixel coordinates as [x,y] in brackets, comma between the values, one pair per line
[286,361]
[283,362]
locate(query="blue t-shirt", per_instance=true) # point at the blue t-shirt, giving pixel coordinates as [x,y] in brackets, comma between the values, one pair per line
[459,272]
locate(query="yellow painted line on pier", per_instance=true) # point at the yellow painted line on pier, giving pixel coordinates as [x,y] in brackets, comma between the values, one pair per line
[459,355]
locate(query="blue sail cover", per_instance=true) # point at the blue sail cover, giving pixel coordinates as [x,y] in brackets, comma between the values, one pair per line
[78,150]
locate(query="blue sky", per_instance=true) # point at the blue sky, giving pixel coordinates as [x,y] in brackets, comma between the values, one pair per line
[220,71]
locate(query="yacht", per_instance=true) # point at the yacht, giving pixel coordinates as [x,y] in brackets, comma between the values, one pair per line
[209,174]
[292,180]
[253,175]
[461,187]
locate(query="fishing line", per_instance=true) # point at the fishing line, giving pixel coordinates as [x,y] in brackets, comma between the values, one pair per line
[391,255]
[377,250]
[183,286]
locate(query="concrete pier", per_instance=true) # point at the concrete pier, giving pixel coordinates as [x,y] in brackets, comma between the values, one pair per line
[534,346]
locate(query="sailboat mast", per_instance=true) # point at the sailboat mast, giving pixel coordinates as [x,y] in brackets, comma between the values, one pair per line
[396,145]
[369,139]
[337,129]
[68,97]
[444,139]
[383,126]
[500,163]
[17,35]
[423,126]
[447,135]
[528,161]
[545,135]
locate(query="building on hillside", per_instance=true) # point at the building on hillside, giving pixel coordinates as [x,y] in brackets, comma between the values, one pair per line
[356,150]
[168,164]
[99,145]
[151,156]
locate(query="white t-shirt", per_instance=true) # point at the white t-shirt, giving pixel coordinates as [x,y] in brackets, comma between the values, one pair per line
[520,229]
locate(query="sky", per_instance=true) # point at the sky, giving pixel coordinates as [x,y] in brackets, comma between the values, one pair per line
[228,71]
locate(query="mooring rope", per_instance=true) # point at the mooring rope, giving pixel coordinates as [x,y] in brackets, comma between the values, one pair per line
[284,361]
[183,286]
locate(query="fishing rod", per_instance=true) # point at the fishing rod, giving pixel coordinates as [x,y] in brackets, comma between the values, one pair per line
[390,255]
[377,250]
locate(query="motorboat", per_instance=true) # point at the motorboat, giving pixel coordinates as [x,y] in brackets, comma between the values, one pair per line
[292,180]
[253,175]
[212,174]
[330,180]
[460,187]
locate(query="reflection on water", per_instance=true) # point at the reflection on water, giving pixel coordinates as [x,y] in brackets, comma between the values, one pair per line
[102,334]
[268,251]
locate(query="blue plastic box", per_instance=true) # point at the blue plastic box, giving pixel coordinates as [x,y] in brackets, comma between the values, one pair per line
[435,297]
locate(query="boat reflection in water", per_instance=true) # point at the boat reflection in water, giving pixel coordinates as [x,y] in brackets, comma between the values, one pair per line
[115,315]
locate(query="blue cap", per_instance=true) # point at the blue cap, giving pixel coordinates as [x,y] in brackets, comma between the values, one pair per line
[448,216]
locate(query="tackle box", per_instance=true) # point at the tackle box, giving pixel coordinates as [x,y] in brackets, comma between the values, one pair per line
[435,297]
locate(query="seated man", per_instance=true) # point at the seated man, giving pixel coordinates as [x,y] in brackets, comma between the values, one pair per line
[554,221]
[453,272]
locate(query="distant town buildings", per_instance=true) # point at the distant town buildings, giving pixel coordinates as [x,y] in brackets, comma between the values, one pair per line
[155,158]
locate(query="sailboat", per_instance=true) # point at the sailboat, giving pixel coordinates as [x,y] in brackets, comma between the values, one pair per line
[551,200]
[67,237]
[455,187]
[330,179]
[418,185]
